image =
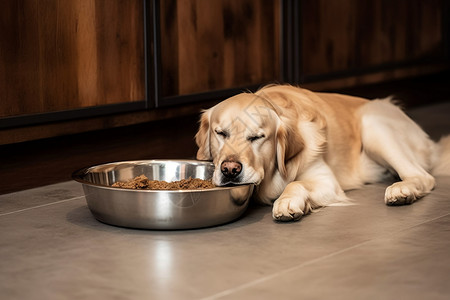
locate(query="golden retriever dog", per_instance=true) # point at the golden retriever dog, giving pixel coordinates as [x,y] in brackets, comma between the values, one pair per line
[303,149]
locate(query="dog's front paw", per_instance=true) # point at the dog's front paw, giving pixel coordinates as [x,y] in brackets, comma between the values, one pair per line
[288,209]
[409,190]
[401,193]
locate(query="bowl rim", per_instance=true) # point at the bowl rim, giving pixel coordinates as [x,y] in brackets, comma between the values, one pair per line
[78,176]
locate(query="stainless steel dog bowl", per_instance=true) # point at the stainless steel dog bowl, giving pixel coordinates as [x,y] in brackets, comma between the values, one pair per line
[160,209]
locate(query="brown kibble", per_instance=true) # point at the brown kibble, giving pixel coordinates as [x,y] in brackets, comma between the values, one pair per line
[143,183]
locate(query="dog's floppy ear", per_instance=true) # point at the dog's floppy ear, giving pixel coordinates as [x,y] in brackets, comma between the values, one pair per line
[202,138]
[289,144]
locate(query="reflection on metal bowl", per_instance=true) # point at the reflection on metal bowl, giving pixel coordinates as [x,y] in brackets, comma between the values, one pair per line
[160,209]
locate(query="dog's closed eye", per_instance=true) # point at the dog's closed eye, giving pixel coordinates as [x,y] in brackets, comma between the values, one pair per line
[222,133]
[253,138]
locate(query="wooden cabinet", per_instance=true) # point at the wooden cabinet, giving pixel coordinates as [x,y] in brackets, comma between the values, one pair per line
[126,62]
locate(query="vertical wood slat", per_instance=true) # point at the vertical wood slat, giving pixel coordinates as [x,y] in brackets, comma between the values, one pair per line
[210,45]
[65,54]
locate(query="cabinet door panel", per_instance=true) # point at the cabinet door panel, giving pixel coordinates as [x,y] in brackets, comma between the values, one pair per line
[347,35]
[60,55]
[212,45]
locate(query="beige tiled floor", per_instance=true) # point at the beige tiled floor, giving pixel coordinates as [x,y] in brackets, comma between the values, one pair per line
[57,250]
[52,248]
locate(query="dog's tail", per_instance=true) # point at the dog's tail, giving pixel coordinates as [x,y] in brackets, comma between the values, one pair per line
[442,163]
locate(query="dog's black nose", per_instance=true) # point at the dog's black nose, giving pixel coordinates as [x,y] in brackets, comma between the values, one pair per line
[231,169]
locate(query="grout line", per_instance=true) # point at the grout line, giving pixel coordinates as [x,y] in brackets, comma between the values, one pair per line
[254,282]
[263,279]
[39,206]
[421,223]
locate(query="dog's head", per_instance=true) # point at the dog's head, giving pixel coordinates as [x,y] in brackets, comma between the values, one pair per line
[246,138]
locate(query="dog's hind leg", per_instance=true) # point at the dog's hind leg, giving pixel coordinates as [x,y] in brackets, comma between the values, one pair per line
[393,140]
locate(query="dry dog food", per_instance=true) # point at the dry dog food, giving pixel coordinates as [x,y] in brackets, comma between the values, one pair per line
[143,183]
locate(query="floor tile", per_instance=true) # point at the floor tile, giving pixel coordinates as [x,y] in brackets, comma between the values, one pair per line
[39,196]
[411,264]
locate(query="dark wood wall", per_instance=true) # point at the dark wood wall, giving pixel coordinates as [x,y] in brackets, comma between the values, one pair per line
[69,66]
[210,45]
[65,54]
[350,35]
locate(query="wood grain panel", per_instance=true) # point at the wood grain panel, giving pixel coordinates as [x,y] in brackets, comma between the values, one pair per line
[346,35]
[64,54]
[209,45]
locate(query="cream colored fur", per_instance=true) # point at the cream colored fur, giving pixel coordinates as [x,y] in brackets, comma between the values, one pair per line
[303,149]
